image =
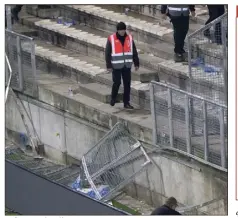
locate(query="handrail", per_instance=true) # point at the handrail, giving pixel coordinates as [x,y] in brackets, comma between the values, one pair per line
[10,77]
[18,34]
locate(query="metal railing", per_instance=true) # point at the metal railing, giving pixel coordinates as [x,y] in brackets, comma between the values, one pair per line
[8,76]
[20,50]
[198,131]
[207,60]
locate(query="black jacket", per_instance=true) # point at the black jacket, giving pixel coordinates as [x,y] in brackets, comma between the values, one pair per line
[108,52]
[164,210]
[164,8]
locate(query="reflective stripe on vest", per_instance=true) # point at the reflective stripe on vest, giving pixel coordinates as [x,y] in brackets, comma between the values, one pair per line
[176,10]
[121,55]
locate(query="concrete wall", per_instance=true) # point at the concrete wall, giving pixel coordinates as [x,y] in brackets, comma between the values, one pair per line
[64,135]
[61,133]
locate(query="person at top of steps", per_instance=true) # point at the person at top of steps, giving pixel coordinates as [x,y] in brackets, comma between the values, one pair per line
[179,15]
[120,54]
[215,11]
[168,208]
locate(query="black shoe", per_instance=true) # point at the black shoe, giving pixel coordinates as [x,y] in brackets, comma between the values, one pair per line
[128,106]
[178,58]
[112,103]
[185,56]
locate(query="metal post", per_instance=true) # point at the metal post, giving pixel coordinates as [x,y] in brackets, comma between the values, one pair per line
[19,61]
[190,84]
[205,131]
[33,59]
[189,59]
[224,47]
[153,114]
[6,72]
[187,121]
[9,17]
[170,116]
[222,139]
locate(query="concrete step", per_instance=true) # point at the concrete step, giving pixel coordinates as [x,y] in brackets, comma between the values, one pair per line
[96,83]
[99,92]
[144,12]
[83,69]
[95,16]
[154,11]
[54,91]
[93,45]
[84,42]
[143,28]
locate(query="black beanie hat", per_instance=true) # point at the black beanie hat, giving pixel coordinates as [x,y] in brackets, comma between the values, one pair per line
[121,26]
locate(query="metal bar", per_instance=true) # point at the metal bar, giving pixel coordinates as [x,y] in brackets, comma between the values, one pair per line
[205,131]
[189,59]
[56,171]
[112,192]
[33,60]
[224,48]
[9,17]
[145,154]
[152,109]
[222,139]
[18,34]
[187,123]
[10,77]
[65,177]
[103,169]
[89,179]
[170,117]
[19,61]
[189,94]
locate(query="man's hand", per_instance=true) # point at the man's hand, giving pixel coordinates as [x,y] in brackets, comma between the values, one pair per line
[193,14]
[136,68]
[109,70]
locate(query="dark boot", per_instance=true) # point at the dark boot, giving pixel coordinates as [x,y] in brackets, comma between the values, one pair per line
[112,103]
[178,58]
[185,56]
[128,106]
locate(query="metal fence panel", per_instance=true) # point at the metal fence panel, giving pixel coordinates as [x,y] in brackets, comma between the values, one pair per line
[110,162]
[20,50]
[207,56]
[199,130]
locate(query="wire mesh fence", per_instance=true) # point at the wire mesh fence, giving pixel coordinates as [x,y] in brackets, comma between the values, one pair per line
[64,175]
[207,57]
[188,123]
[20,50]
[109,163]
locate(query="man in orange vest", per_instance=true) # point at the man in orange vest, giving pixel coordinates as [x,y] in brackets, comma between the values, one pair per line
[120,54]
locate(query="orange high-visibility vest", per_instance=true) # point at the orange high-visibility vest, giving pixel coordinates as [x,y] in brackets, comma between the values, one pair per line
[121,55]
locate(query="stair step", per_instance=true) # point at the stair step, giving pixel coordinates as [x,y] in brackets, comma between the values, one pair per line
[94,46]
[99,92]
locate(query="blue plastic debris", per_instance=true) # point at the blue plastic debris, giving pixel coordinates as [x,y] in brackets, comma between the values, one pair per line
[77,184]
[102,189]
[197,62]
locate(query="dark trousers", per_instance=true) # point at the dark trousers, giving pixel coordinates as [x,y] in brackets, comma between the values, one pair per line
[180,25]
[125,73]
[215,11]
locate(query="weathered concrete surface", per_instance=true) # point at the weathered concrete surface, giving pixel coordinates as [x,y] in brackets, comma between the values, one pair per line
[93,45]
[97,91]
[168,176]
